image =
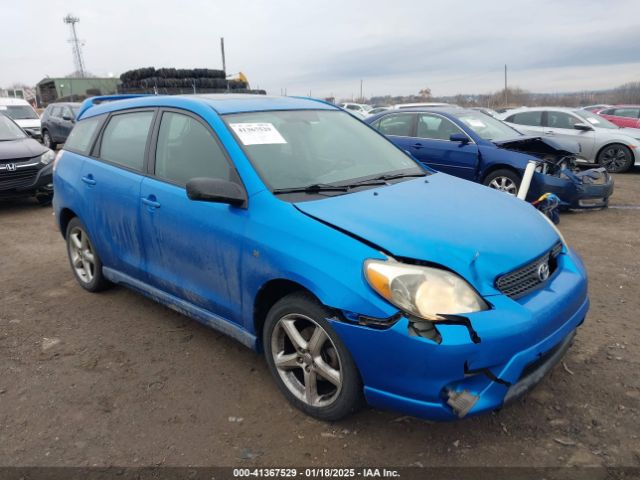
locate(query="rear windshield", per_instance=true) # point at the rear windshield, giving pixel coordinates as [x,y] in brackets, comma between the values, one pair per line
[19,112]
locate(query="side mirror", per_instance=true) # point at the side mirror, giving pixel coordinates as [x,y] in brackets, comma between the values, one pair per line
[459,137]
[216,190]
[67,118]
[582,126]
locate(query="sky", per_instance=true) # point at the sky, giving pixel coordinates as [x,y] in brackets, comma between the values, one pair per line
[326,47]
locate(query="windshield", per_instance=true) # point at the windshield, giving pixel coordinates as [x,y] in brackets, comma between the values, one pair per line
[19,112]
[9,130]
[75,110]
[298,148]
[595,120]
[487,127]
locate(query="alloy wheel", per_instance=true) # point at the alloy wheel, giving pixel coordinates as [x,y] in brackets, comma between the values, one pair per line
[614,159]
[46,140]
[82,256]
[504,184]
[306,360]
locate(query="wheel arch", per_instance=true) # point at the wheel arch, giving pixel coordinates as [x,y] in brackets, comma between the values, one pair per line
[66,215]
[499,166]
[268,294]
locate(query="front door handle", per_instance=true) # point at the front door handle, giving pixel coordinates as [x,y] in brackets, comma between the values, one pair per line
[88,179]
[151,201]
[549,132]
[417,146]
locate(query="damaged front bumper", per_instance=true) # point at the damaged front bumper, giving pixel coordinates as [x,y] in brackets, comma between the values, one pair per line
[519,342]
[586,189]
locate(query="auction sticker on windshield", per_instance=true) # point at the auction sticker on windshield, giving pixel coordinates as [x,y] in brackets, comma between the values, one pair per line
[257,133]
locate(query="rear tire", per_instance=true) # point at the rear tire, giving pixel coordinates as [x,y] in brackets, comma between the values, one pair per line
[84,260]
[616,158]
[504,181]
[310,364]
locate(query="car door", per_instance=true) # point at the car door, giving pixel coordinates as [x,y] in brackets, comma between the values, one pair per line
[560,126]
[67,121]
[399,128]
[193,248]
[54,122]
[434,148]
[112,178]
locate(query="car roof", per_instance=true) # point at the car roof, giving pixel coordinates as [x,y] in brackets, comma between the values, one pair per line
[13,101]
[221,103]
[63,104]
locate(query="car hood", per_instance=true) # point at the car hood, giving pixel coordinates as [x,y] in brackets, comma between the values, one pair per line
[21,149]
[28,122]
[539,145]
[475,231]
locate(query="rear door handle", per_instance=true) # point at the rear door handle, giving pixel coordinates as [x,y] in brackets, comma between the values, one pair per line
[549,132]
[151,201]
[89,180]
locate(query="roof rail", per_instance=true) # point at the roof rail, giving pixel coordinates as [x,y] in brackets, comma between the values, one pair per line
[90,102]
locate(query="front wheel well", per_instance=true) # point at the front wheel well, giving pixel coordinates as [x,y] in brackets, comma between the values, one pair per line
[66,214]
[268,295]
[501,166]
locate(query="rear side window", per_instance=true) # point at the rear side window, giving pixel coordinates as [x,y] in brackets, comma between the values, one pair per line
[400,125]
[186,149]
[81,137]
[533,119]
[124,139]
[626,112]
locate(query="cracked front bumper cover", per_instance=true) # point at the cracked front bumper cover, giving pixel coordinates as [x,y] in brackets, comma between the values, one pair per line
[587,189]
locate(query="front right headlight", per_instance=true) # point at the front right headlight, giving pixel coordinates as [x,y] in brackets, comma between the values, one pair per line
[425,292]
[47,157]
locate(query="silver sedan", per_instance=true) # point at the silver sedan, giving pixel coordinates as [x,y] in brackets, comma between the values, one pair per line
[600,141]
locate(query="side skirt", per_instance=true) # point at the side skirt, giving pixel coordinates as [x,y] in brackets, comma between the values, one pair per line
[185,308]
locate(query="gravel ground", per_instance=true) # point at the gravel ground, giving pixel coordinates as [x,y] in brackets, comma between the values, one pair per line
[115,379]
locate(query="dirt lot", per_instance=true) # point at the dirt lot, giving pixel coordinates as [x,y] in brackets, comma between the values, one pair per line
[115,379]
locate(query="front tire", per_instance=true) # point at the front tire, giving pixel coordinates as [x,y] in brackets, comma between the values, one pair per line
[47,141]
[616,158]
[310,364]
[85,262]
[504,181]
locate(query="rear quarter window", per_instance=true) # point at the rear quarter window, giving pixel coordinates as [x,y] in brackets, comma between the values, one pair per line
[81,137]
[124,139]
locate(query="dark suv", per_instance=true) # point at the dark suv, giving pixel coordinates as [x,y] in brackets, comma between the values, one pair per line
[57,121]
[25,165]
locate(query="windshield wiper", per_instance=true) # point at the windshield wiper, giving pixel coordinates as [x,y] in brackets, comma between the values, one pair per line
[382,179]
[314,188]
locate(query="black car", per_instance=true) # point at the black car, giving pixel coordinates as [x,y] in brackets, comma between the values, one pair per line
[25,165]
[57,121]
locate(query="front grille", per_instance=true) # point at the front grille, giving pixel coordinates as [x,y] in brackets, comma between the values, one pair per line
[525,279]
[20,178]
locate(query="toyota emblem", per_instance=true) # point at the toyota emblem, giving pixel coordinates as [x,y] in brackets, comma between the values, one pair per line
[543,271]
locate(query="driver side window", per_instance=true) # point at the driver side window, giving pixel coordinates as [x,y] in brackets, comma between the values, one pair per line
[186,149]
[561,120]
[436,127]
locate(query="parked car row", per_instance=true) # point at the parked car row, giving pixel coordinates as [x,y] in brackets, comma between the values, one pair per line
[599,141]
[475,146]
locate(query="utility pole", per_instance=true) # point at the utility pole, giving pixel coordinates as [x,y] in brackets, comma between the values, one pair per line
[76,44]
[224,63]
[361,99]
[506,94]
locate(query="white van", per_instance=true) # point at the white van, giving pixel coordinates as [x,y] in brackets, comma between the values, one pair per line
[23,114]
